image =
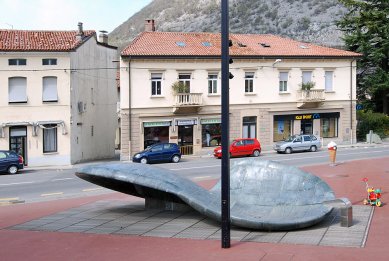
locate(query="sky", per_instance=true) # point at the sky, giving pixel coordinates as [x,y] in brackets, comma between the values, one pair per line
[65,14]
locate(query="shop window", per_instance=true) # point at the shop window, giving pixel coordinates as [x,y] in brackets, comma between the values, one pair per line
[49,92]
[329,127]
[211,134]
[153,135]
[282,129]
[17,89]
[249,127]
[212,83]
[50,138]
[249,82]
[185,79]
[283,82]
[328,78]
[156,84]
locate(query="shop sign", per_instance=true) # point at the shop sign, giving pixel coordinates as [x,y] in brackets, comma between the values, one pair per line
[303,117]
[210,121]
[156,124]
[185,122]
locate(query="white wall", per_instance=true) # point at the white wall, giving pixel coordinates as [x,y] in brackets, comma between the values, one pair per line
[36,110]
[266,80]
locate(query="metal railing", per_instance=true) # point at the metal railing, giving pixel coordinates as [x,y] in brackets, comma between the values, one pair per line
[187,99]
[186,150]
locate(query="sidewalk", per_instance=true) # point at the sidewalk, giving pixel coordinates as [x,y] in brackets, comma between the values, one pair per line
[345,179]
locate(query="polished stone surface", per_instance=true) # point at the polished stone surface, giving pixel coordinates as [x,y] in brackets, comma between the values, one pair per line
[264,195]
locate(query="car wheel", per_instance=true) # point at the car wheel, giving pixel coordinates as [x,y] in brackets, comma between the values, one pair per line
[175,158]
[313,148]
[256,153]
[288,150]
[12,169]
[143,160]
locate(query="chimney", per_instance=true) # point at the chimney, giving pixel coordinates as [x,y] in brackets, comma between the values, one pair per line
[80,33]
[103,37]
[149,25]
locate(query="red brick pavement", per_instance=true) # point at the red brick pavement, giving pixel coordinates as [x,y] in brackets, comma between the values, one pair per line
[345,179]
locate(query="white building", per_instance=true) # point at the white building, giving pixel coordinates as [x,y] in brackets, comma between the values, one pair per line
[58,96]
[266,96]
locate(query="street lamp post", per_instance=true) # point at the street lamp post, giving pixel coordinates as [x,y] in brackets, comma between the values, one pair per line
[225,168]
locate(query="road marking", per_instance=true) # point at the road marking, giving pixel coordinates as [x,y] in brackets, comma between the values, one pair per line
[202,177]
[62,179]
[10,184]
[51,194]
[209,166]
[92,189]
[8,199]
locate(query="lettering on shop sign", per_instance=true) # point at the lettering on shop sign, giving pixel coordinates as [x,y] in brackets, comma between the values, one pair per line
[304,117]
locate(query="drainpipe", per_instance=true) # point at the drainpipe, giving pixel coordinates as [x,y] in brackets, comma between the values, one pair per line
[129,109]
[351,101]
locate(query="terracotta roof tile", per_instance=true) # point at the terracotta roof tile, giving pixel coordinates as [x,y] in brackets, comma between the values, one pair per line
[209,44]
[48,41]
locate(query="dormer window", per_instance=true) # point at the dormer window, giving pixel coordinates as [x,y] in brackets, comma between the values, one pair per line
[265,45]
[17,61]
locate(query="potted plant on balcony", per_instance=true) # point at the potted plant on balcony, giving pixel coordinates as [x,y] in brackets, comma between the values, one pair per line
[307,86]
[179,87]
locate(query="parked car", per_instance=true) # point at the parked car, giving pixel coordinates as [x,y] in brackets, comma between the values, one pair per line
[10,161]
[160,152]
[298,143]
[241,147]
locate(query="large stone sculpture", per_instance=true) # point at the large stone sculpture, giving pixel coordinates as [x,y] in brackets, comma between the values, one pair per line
[264,195]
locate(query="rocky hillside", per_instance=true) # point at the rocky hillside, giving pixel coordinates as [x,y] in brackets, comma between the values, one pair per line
[305,20]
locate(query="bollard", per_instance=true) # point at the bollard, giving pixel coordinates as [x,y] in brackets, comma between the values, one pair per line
[332,147]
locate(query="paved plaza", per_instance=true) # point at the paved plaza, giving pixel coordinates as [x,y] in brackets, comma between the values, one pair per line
[123,218]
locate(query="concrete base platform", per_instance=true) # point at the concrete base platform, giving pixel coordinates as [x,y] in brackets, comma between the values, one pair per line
[117,217]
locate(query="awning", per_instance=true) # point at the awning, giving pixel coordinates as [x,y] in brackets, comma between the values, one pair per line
[35,125]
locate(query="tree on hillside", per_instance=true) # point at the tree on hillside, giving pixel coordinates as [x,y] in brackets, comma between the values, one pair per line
[366,28]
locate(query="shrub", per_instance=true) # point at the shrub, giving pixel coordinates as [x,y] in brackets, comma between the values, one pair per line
[377,122]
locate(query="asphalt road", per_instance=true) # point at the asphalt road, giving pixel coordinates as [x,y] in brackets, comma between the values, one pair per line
[50,184]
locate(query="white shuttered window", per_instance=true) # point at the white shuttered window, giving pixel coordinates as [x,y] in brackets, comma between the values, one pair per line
[17,89]
[49,92]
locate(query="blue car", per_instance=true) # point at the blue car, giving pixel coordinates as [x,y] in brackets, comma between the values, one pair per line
[10,161]
[160,152]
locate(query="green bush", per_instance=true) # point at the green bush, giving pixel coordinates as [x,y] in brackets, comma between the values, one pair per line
[377,122]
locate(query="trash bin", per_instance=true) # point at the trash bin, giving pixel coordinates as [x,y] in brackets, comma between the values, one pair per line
[332,147]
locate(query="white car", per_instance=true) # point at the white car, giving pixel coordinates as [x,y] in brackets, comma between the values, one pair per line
[298,143]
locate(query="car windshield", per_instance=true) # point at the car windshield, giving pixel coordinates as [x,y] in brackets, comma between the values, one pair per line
[290,138]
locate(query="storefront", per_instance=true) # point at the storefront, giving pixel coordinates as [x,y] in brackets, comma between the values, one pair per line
[211,131]
[323,125]
[155,132]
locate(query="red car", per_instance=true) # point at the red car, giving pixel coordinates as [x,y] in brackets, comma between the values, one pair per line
[241,147]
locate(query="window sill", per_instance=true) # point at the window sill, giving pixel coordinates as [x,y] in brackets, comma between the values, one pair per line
[51,153]
[157,96]
[283,93]
[329,91]
[213,95]
[17,102]
[50,101]
[249,94]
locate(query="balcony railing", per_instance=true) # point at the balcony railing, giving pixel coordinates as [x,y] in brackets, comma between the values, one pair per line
[309,98]
[188,99]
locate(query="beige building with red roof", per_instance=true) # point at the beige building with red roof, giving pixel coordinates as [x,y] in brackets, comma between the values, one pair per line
[266,96]
[58,96]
